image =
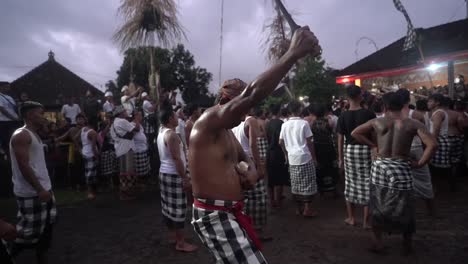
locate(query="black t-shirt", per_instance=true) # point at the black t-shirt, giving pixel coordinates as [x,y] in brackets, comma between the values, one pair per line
[349,120]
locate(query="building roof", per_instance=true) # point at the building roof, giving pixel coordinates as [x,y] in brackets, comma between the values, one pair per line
[435,41]
[50,79]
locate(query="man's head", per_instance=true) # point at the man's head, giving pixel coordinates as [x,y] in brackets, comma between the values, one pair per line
[229,90]
[119,111]
[70,100]
[24,97]
[168,118]
[137,116]
[89,93]
[393,102]
[447,102]
[257,112]
[192,110]
[405,95]
[295,108]
[81,120]
[145,96]
[458,106]
[354,93]
[4,87]
[275,109]
[434,101]
[33,113]
[109,96]
[125,90]
[421,105]
[377,106]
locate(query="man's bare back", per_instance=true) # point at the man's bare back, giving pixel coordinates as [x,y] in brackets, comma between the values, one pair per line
[455,122]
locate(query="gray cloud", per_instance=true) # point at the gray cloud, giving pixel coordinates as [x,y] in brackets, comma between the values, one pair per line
[79,32]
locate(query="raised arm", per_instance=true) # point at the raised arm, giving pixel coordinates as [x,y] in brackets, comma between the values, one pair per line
[361,133]
[21,143]
[304,42]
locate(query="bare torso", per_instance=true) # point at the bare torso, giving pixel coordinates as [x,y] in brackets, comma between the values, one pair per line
[394,136]
[453,123]
[261,128]
[213,156]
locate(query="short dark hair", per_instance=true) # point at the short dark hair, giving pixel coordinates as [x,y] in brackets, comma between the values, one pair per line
[447,102]
[275,109]
[437,97]
[258,111]
[80,115]
[353,91]
[318,110]
[377,106]
[393,101]
[190,109]
[295,107]
[421,105]
[404,95]
[284,112]
[165,114]
[28,106]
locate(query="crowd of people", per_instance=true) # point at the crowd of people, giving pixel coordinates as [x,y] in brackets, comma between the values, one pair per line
[233,161]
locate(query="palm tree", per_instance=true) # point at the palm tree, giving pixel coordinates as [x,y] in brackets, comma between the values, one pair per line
[148,23]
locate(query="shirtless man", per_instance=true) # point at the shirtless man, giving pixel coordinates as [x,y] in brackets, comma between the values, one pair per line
[422,182]
[193,113]
[456,123]
[218,176]
[391,190]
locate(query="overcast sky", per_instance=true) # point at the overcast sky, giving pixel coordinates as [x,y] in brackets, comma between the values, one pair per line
[80,32]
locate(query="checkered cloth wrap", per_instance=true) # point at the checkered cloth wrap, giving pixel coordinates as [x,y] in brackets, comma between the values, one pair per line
[148,128]
[391,196]
[357,163]
[142,164]
[109,163]
[33,217]
[392,173]
[441,158]
[173,198]
[224,237]
[262,145]
[256,204]
[456,148]
[303,181]
[91,168]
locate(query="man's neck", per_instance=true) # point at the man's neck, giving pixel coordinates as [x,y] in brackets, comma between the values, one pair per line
[354,105]
[31,126]
[395,114]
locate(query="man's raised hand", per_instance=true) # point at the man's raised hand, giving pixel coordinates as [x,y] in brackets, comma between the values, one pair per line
[304,42]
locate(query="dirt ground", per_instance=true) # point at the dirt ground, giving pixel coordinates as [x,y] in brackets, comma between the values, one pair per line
[110,231]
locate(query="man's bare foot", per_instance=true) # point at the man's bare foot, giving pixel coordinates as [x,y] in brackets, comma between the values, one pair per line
[91,196]
[185,247]
[308,214]
[350,221]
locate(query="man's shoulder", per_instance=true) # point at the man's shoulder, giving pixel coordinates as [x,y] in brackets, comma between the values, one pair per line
[20,135]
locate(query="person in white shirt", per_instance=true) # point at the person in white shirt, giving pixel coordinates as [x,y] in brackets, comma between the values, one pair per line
[296,140]
[108,106]
[71,110]
[90,153]
[173,179]
[180,129]
[31,185]
[122,132]
[141,162]
[128,99]
[149,119]
[9,120]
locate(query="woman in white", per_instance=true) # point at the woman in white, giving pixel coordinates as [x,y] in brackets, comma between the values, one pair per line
[141,159]
[90,154]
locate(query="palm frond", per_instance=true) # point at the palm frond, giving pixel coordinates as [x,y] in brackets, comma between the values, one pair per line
[276,42]
[148,22]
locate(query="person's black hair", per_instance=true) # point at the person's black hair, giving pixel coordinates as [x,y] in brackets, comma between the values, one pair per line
[412,107]
[404,95]
[353,91]
[318,110]
[447,102]
[458,106]
[377,106]
[258,111]
[305,112]
[437,97]
[392,101]
[295,107]
[190,109]
[284,112]
[165,114]
[28,106]
[80,115]
[421,105]
[275,109]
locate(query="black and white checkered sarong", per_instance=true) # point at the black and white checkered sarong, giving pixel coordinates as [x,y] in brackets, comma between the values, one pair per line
[256,204]
[303,181]
[456,148]
[148,127]
[33,217]
[173,198]
[109,163]
[357,163]
[262,145]
[142,164]
[91,167]
[224,237]
[391,196]
[441,158]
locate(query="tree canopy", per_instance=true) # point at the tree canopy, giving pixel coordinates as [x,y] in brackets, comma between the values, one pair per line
[177,68]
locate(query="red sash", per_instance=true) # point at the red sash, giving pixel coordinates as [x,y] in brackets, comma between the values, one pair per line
[244,220]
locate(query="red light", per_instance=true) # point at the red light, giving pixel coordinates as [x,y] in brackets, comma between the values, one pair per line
[345,80]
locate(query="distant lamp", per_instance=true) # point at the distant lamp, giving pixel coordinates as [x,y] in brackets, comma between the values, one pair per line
[457,80]
[412,92]
[301,98]
[433,67]
[374,84]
